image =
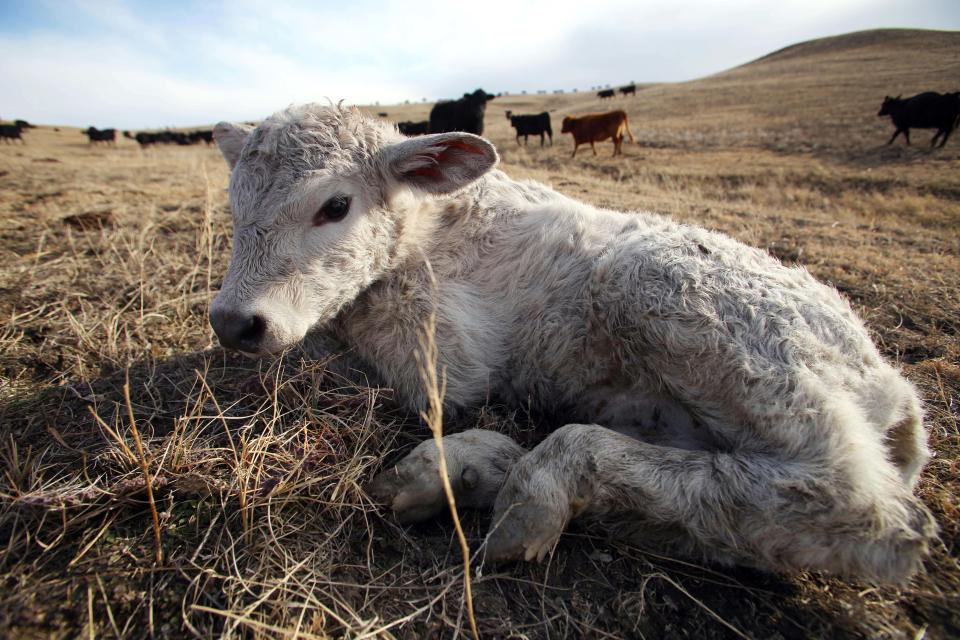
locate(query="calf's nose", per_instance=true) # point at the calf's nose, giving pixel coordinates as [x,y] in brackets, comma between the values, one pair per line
[240,331]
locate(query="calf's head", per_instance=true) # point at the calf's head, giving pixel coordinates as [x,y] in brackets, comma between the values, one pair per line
[325,201]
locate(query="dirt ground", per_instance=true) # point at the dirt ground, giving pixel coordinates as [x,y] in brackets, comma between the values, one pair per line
[257,468]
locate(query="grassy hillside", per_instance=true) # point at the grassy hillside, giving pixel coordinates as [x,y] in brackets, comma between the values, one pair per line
[108,260]
[821,95]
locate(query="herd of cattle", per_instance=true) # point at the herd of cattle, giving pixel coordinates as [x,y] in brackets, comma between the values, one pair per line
[13,132]
[929,110]
[628,90]
[180,138]
[467,113]
[144,139]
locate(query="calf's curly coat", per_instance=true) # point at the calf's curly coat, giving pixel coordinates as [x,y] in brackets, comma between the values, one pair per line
[719,402]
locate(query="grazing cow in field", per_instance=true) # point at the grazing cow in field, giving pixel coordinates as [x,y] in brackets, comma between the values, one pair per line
[203,135]
[717,401]
[383,114]
[180,138]
[106,136]
[409,128]
[531,125]
[606,93]
[596,127]
[629,90]
[928,110]
[10,133]
[145,139]
[465,114]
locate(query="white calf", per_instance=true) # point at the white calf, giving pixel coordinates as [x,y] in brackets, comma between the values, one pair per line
[762,424]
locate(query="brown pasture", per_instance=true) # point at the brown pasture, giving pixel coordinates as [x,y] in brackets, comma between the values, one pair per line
[109,257]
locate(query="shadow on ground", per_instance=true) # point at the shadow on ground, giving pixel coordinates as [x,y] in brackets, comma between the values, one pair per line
[257,471]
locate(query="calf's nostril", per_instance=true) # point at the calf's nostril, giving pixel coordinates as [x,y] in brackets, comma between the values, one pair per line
[252,333]
[239,331]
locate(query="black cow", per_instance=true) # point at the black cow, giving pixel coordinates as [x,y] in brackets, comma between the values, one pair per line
[606,93]
[143,139]
[23,124]
[465,114]
[180,138]
[531,125]
[929,110]
[107,136]
[147,139]
[383,114]
[409,128]
[629,90]
[11,132]
[204,135]
[174,137]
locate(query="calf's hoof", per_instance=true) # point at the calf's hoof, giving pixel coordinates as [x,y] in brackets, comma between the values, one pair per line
[412,490]
[477,462]
[525,531]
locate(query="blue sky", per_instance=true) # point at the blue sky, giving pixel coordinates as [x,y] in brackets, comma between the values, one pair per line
[151,64]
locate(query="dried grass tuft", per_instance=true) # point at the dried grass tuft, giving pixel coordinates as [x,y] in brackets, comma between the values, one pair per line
[436,385]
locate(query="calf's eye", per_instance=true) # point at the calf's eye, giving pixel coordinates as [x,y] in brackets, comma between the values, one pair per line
[334,209]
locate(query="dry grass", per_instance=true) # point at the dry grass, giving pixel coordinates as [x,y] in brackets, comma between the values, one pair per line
[110,256]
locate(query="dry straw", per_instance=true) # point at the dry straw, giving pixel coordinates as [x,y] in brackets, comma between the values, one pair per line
[427,364]
[258,469]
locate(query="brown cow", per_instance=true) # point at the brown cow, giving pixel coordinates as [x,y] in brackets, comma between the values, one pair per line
[596,127]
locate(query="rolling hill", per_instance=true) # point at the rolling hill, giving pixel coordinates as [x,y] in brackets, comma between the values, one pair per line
[817,95]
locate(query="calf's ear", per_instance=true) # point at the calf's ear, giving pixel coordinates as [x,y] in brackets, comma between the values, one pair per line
[441,163]
[230,138]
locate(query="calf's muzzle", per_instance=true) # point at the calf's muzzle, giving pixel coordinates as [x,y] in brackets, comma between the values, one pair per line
[236,330]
